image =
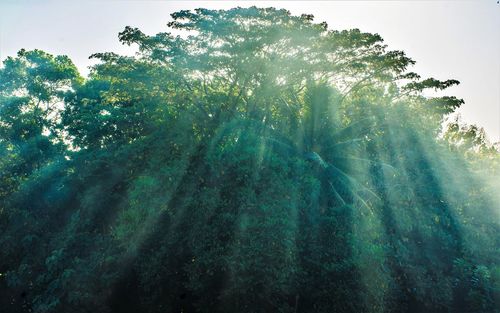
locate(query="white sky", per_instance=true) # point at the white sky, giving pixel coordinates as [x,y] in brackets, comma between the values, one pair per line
[448,39]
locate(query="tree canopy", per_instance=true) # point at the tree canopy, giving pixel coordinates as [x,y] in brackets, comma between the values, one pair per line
[257,161]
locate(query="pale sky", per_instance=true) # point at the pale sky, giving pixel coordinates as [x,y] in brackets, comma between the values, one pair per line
[448,39]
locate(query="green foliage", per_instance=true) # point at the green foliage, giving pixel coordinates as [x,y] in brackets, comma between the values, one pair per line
[258,162]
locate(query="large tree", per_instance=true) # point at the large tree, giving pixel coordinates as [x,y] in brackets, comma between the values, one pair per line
[255,162]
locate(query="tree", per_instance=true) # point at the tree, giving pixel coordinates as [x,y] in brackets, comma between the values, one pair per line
[257,162]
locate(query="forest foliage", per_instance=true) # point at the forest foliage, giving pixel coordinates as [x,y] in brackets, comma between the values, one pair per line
[255,162]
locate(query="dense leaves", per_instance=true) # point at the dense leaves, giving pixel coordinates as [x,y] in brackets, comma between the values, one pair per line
[255,162]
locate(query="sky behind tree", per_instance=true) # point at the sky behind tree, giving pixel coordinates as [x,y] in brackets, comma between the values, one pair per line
[448,39]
